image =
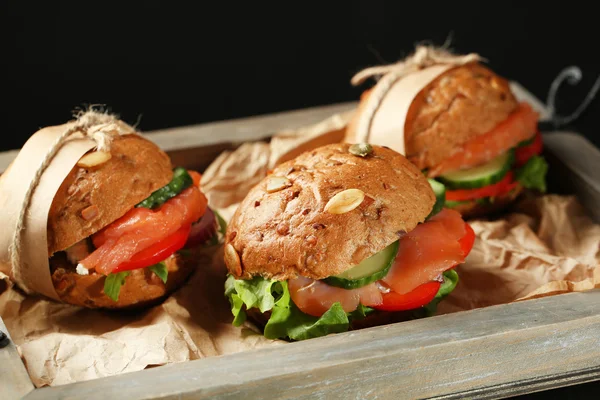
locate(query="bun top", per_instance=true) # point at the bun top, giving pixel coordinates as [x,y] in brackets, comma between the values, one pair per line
[459,105]
[282,229]
[93,197]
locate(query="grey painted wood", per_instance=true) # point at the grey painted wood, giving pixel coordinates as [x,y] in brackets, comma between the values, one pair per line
[244,129]
[522,94]
[14,380]
[498,346]
[574,166]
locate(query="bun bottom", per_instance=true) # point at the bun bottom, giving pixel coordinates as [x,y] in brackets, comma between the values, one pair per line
[379,318]
[142,287]
[473,209]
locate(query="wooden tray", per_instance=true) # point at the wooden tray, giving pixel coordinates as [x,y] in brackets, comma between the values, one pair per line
[492,352]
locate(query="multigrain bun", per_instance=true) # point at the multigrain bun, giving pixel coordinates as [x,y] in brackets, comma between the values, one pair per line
[459,105]
[142,287]
[91,198]
[379,318]
[287,233]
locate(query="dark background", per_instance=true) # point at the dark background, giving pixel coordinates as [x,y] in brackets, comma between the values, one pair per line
[178,63]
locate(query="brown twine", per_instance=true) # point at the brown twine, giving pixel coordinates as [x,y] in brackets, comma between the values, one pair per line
[93,125]
[423,57]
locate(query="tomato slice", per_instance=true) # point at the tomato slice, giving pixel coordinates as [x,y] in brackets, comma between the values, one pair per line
[419,297]
[157,252]
[467,241]
[196,177]
[504,186]
[423,294]
[523,154]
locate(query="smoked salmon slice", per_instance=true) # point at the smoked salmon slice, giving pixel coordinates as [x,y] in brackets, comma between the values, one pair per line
[428,250]
[315,297]
[519,126]
[142,227]
[424,253]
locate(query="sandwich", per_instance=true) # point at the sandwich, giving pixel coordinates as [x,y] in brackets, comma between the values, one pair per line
[466,131]
[124,226]
[341,237]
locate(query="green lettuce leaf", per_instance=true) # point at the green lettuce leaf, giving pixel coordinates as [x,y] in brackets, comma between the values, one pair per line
[286,320]
[450,282]
[217,239]
[113,283]
[532,175]
[239,313]
[222,223]
[360,313]
[256,293]
[160,270]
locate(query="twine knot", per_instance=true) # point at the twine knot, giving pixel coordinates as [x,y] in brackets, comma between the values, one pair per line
[423,57]
[99,127]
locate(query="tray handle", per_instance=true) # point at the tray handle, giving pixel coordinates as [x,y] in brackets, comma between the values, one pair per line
[572,75]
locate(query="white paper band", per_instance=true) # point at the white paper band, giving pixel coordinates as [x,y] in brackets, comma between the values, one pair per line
[381,120]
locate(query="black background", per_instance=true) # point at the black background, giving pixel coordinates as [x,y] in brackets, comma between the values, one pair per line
[178,63]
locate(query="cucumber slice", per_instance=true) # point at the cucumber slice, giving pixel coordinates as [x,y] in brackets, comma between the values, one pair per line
[526,142]
[454,203]
[440,196]
[181,180]
[368,271]
[484,201]
[483,175]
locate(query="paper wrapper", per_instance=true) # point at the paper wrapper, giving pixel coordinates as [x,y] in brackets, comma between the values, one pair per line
[33,272]
[547,246]
[382,116]
[386,126]
[63,344]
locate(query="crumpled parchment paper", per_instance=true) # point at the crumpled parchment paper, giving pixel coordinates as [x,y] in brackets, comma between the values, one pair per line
[547,245]
[63,344]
